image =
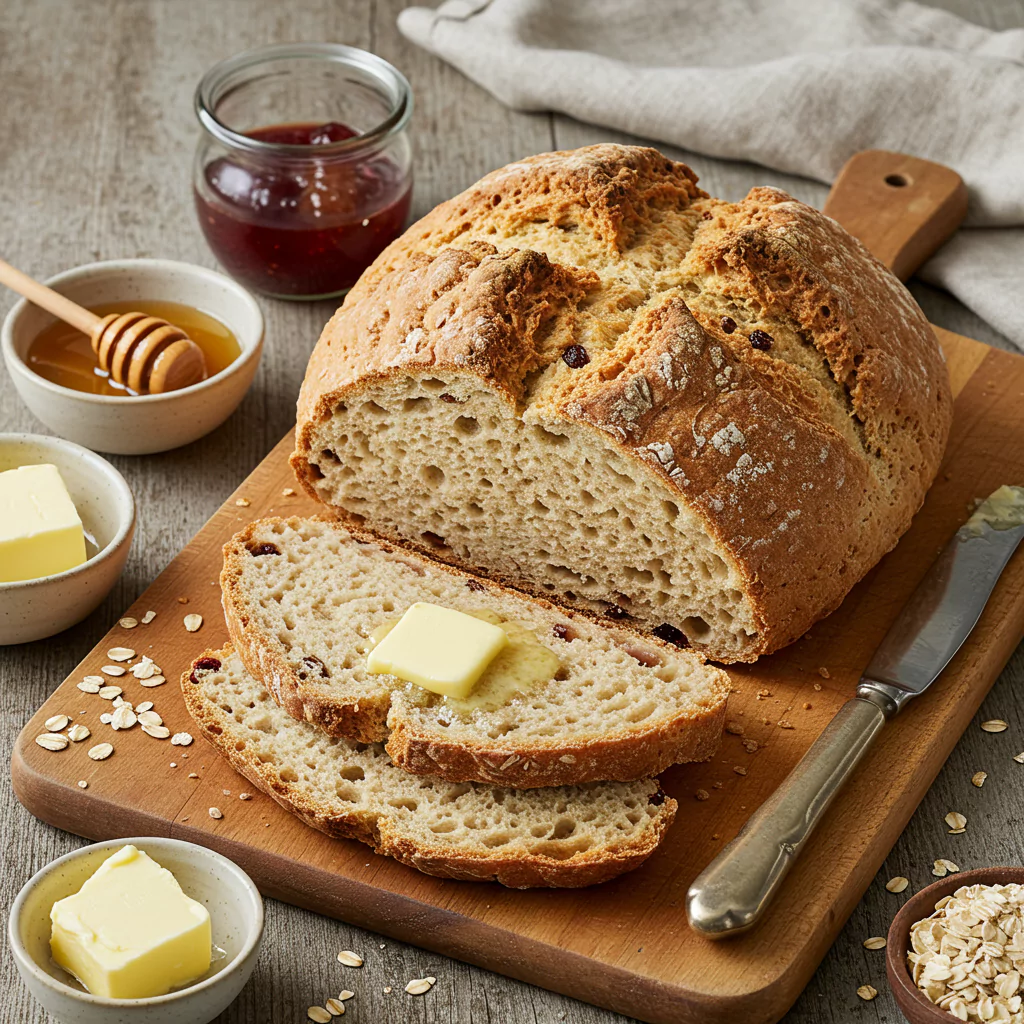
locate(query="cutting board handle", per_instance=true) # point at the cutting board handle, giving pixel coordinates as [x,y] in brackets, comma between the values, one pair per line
[900,207]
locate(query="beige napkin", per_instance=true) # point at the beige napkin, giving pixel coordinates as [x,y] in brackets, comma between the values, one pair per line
[797,85]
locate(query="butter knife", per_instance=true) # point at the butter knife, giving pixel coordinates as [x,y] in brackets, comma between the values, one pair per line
[732,893]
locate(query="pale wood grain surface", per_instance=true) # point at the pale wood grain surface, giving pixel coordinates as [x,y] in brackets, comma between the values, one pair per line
[96,139]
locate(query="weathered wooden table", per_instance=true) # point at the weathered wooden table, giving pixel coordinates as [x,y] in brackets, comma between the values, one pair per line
[96,141]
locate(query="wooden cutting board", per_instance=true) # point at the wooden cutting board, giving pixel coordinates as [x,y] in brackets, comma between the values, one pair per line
[624,945]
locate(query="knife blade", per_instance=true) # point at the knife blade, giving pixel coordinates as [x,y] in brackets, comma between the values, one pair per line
[733,892]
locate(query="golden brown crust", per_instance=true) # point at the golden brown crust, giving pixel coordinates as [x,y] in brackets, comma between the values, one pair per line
[616,758]
[805,462]
[379,832]
[692,734]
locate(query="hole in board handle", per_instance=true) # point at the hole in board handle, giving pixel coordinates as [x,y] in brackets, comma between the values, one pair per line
[897,180]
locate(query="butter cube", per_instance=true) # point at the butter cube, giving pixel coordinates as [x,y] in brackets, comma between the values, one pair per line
[440,649]
[40,532]
[130,932]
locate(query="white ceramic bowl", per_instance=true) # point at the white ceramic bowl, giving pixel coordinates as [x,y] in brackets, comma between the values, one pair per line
[32,609]
[236,916]
[146,423]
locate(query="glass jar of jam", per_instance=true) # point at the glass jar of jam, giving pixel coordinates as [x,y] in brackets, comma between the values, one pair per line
[303,172]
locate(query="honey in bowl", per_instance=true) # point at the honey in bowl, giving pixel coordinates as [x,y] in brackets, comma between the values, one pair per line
[63,355]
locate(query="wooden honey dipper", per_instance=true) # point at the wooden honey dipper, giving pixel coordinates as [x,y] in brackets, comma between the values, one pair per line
[143,353]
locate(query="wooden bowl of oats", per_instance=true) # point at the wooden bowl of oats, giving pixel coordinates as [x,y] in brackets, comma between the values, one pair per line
[957,948]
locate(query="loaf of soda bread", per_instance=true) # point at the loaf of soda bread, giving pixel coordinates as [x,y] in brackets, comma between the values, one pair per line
[586,377]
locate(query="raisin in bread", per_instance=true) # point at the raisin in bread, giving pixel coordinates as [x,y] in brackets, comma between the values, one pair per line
[569,836]
[586,376]
[303,596]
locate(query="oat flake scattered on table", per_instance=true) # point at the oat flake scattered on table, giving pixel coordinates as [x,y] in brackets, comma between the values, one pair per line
[867,992]
[52,741]
[875,942]
[897,884]
[978,779]
[318,1014]
[127,622]
[335,1006]
[56,723]
[216,812]
[418,986]
[82,784]
[994,725]
[956,820]
[193,622]
[148,618]
[101,751]
[78,732]
[350,959]
[181,739]
[113,670]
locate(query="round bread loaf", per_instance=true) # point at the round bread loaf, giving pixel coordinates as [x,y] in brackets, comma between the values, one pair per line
[586,378]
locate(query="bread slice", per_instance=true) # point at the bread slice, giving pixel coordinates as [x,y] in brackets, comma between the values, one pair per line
[570,836]
[586,375]
[303,596]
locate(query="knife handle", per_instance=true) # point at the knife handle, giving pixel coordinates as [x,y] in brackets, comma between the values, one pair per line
[901,207]
[733,891]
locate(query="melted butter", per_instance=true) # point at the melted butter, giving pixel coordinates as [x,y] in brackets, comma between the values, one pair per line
[1003,509]
[523,664]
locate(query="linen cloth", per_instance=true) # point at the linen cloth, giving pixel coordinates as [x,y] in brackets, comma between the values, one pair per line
[797,85]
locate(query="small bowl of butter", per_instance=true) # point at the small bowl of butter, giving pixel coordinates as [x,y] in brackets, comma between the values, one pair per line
[155,931]
[66,523]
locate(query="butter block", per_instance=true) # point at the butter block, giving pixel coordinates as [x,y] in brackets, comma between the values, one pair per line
[40,531]
[130,932]
[442,650]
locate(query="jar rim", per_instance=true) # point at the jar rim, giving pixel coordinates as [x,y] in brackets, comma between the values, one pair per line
[220,79]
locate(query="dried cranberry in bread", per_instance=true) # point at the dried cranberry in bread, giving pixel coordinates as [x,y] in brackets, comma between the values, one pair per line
[303,598]
[569,836]
[589,378]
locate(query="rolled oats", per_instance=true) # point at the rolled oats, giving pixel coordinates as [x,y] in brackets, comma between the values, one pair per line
[968,955]
[52,741]
[181,739]
[146,705]
[128,622]
[418,986]
[110,692]
[149,717]
[91,684]
[101,751]
[120,654]
[994,725]
[350,959]
[148,618]
[78,732]
[867,992]
[318,1014]
[897,884]
[153,681]
[82,784]
[978,779]
[123,717]
[193,622]
[956,820]
[216,812]
[158,732]
[113,670]
[145,668]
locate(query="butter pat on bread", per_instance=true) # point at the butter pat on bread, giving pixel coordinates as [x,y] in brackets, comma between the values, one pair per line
[441,649]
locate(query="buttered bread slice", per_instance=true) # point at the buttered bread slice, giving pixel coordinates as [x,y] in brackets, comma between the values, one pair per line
[568,700]
[569,836]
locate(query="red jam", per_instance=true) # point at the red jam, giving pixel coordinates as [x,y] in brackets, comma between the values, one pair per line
[292,225]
